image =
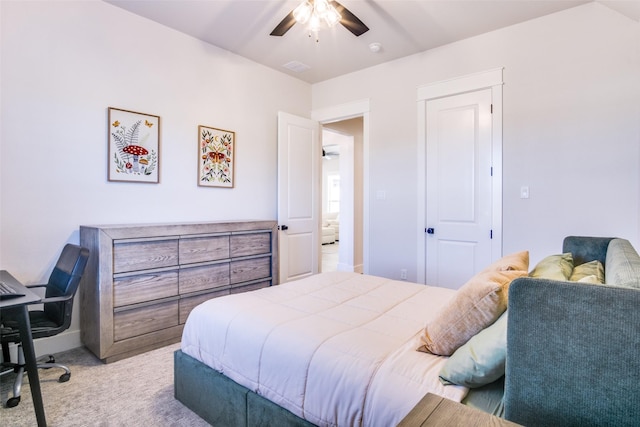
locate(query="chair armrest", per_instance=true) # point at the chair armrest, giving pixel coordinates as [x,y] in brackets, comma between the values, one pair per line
[55,299]
[572,354]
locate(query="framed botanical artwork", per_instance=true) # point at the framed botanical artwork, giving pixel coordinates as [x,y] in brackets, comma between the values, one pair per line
[134,146]
[216,163]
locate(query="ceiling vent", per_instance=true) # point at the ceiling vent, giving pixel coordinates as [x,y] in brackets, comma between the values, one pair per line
[296,66]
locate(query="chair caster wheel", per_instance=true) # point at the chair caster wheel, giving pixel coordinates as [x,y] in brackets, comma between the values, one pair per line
[64,378]
[51,359]
[13,402]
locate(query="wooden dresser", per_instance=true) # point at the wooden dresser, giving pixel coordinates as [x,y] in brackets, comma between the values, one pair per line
[142,280]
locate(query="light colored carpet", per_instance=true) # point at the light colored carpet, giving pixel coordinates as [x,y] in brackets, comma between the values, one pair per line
[133,391]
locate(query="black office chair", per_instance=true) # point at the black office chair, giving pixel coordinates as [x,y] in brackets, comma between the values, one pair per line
[53,319]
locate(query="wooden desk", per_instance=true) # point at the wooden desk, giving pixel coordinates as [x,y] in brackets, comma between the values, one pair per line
[434,410]
[18,306]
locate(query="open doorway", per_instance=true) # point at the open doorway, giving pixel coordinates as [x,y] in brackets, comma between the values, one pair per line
[342,196]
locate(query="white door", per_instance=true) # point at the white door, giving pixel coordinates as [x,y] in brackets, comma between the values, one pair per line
[458,187]
[299,196]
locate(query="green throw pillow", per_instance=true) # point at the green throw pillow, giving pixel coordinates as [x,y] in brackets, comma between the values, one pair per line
[554,267]
[481,360]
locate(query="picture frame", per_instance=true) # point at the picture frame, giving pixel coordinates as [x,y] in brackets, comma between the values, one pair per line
[216,157]
[134,146]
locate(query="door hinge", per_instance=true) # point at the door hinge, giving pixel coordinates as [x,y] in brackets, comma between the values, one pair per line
[491,170]
[491,234]
[491,108]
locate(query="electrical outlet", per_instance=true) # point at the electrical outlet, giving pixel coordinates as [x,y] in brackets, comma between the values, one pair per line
[403,274]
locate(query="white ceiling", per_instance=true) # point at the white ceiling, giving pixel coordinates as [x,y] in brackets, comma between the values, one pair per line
[402,27]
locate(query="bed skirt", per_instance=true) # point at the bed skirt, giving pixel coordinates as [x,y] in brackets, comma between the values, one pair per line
[221,401]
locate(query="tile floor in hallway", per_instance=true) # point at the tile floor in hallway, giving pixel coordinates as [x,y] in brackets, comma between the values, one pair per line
[330,256]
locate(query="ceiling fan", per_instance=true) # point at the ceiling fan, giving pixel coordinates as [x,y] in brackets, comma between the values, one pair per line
[321,12]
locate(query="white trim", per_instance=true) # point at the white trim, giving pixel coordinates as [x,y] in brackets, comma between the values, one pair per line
[421,250]
[340,112]
[64,341]
[343,112]
[468,83]
[492,79]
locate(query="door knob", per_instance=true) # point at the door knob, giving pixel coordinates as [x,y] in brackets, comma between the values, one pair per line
[284,227]
[430,230]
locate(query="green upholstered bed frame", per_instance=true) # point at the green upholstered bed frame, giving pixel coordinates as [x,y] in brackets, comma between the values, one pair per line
[221,401]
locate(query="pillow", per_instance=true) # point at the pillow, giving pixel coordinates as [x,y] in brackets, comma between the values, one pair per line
[592,268]
[622,264]
[516,261]
[481,360]
[554,267]
[476,305]
[592,280]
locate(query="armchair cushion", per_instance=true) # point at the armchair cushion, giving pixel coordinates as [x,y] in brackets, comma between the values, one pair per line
[622,265]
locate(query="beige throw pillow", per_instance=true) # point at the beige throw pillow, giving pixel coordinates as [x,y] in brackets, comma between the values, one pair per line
[515,261]
[583,271]
[477,304]
[554,267]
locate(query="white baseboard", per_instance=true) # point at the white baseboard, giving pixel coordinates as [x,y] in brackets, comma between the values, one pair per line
[62,342]
[351,268]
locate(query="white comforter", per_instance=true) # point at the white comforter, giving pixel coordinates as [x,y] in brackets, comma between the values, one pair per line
[337,349]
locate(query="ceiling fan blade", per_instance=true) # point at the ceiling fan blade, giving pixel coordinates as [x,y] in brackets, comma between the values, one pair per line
[349,20]
[284,25]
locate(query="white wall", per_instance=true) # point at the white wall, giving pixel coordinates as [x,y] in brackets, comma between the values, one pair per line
[571,131]
[63,65]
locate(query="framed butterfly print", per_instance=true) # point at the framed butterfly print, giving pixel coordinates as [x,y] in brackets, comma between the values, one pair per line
[134,146]
[216,165]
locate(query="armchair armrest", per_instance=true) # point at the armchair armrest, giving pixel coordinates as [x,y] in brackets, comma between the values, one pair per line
[572,354]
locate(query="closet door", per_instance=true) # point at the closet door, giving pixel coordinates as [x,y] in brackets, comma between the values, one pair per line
[458,187]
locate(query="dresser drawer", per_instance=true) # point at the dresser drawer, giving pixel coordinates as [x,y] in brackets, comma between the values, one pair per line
[144,254]
[250,244]
[202,277]
[135,288]
[202,249]
[189,303]
[250,287]
[143,319]
[250,269]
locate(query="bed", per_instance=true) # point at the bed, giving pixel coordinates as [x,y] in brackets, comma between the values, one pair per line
[333,349]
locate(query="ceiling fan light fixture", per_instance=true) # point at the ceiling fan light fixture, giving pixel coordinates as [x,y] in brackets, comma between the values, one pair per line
[332,17]
[316,12]
[303,12]
[314,23]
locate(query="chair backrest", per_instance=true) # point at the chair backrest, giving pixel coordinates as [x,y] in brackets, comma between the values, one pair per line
[64,281]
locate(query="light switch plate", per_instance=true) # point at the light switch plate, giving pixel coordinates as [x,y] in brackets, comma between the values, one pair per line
[524,192]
